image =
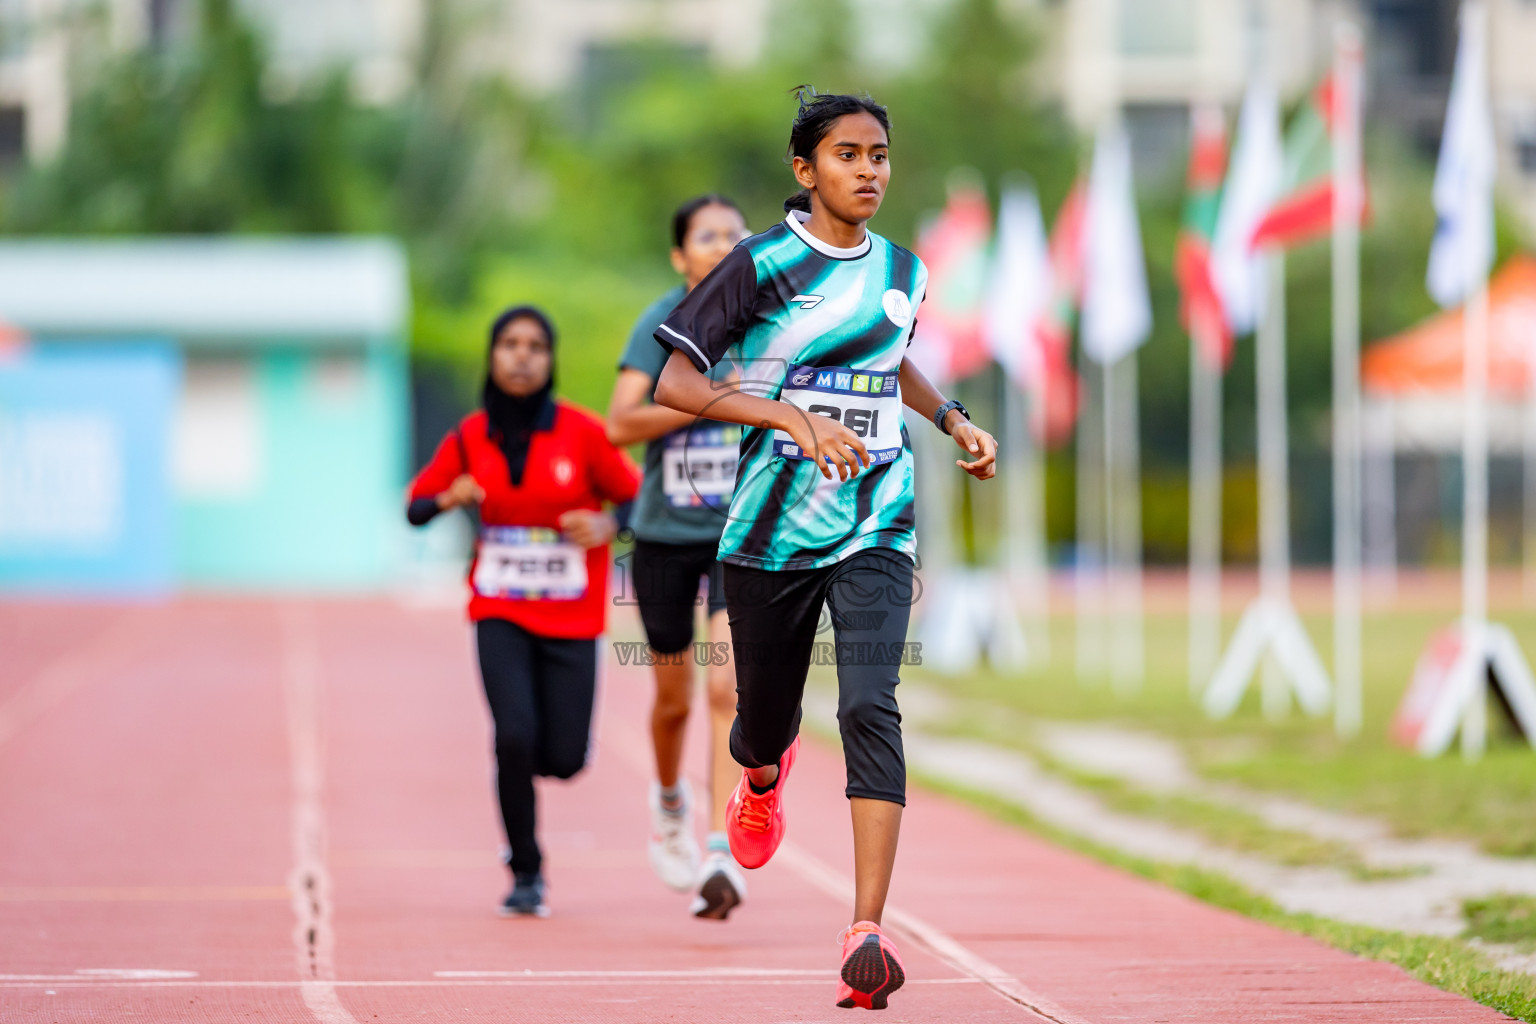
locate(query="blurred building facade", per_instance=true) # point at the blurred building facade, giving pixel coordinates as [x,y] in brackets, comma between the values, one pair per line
[273,449]
[1152,58]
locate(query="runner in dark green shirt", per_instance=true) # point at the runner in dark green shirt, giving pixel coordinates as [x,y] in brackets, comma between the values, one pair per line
[690,472]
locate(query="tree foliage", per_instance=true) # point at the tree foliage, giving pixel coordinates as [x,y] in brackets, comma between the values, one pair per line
[188,138]
[501,197]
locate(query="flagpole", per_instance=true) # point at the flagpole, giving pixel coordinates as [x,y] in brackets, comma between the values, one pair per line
[1088,574]
[1204,511]
[1274,475]
[1474,578]
[1528,477]
[1117,317]
[1123,519]
[1014,310]
[1347,522]
[1024,515]
[1474,558]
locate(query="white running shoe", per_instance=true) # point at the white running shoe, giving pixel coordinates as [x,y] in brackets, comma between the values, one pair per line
[721,888]
[674,851]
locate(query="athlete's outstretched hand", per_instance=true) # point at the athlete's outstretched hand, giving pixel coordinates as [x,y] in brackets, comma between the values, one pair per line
[980,444]
[463,491]
[588,529]
[835,447]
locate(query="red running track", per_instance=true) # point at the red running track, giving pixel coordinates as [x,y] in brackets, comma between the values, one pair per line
[282,811]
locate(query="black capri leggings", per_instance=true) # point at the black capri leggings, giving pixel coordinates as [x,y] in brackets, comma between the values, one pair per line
[775,617]
[540,691]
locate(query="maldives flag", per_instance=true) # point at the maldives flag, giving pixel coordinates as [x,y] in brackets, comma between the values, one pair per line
[1056,385]
[1200,306]
[954,247]
[1305,210]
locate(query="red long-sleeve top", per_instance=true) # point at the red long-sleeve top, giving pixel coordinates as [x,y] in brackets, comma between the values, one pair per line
[570,466]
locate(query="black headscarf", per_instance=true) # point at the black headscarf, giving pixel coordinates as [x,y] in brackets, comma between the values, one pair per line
[511,421]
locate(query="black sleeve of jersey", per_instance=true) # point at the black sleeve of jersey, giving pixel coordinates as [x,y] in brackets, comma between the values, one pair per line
[422,511]
[715,315]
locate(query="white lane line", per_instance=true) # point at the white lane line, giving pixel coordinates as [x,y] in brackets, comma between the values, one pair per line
[310,882]
[107,974]
[699,972]
[140,893]
[539,979]
[936,942]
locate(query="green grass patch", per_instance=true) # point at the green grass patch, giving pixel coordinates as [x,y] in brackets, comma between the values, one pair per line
[1486,802]
[1505,917]
[1218,823]
[1449,964]
[1229,827]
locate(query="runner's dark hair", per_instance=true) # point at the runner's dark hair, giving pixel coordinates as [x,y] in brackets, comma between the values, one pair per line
[682,217]
[817,114]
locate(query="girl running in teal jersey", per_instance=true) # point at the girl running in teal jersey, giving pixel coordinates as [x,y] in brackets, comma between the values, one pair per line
[822,311]
[690,467]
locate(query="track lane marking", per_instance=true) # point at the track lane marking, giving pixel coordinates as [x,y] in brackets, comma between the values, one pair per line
[136,893]
[675,972]
[539,979]
[933,940]
[937,942]
[310,882]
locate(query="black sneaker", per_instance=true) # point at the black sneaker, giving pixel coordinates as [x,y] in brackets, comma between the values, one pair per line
[526,898]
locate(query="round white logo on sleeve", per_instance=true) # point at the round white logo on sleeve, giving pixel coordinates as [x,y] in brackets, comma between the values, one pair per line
[897,306]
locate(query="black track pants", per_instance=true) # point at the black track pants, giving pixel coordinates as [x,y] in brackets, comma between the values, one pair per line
[540,691]
[774,619]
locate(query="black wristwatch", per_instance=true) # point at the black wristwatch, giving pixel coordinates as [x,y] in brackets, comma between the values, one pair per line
[943,411]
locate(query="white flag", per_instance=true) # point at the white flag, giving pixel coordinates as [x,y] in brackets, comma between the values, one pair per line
[1117,312]
[1019,286]
[1253,185]
[1462,252]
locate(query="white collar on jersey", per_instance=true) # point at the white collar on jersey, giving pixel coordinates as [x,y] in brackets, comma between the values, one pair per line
[796,221]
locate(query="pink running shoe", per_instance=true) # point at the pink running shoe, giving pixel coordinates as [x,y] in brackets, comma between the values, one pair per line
[871,968]
[754,822]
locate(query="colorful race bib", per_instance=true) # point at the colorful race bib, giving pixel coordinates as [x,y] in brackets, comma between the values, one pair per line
[529,563]
[869,404]
[699,465]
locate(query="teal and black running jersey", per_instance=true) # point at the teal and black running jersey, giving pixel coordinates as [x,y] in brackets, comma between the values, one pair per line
[826,330]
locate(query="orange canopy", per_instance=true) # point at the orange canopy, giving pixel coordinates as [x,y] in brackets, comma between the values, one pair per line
[1428,357]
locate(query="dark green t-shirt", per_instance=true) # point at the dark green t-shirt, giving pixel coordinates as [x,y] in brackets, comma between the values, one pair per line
[689,474]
